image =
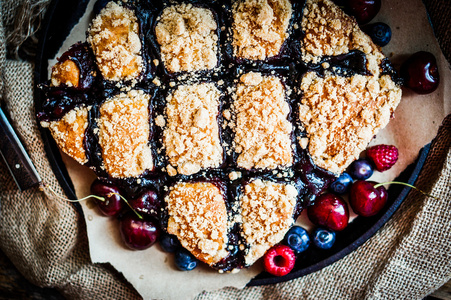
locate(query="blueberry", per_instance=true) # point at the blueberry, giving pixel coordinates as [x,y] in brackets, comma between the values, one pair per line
[184,260]
[342,184]
[379,32]
[361,169]
[169,242]
[297,239]
[323,238]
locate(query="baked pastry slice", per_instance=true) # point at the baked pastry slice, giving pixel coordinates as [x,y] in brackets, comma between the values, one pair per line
[188,39]
[114,38]
[341,115]
[262,130]
[260,27]
[191,130]
[69,133]
[199,218]
[267,210]
[328,31]
[124,133]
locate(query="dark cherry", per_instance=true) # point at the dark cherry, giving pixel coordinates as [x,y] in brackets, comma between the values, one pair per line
[365,200]
[138,234]
[330,211]
[420,73]
[113,203]
[147,204]
[363,10]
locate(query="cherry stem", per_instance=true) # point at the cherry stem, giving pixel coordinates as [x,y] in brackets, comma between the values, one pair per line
[87,197]
[126,202]
[406,184]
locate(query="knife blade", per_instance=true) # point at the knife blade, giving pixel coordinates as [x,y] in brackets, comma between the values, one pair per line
[16,158]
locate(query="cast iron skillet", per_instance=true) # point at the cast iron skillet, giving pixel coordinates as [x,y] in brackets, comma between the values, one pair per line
[63,15]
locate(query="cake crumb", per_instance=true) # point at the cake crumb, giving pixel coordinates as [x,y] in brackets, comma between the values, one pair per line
[267,210]
[124,134]
[114,38]
[191,137]
[198,217]
[262,132]
[260,27]
[342,114]
[69,133]
[187,38]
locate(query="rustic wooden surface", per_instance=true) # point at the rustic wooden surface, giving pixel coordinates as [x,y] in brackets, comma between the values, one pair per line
[14,286]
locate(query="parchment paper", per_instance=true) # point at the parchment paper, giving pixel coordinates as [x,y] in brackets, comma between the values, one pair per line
[416,121]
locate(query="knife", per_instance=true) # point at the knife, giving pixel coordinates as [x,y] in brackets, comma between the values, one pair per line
[16,158]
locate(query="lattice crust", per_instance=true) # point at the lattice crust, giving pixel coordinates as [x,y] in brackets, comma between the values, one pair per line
[198,217]
[124,132]
[191,137]
[262,130]
[114,38]
[187,37]
[342,114]
[260,27]
[69,133]
[329,31]
[267,213]
[186,122]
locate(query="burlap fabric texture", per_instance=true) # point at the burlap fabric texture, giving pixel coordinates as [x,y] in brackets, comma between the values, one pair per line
[46,238]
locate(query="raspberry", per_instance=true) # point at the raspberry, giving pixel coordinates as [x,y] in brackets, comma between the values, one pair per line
[279,260]
[383,156]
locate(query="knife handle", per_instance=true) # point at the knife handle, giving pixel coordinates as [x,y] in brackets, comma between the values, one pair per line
[15,156]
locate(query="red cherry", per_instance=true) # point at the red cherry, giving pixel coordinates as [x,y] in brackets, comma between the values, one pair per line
[330,211]
[363,10]
[147,204]
[420,72]
[113,204]
[138,234]
[365,200]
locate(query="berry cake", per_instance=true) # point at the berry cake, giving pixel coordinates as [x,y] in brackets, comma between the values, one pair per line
[236,114]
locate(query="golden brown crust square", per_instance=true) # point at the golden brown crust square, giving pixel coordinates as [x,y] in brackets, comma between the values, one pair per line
[262,130]
[114,38]
[191,137]
[69,133]
[187,37]
[124,132]
[329,32]
[342,114]
[198,217]
[260,27]
[66,72]
[267,214]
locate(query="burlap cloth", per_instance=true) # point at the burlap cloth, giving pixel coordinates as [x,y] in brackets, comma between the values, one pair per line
[46,239]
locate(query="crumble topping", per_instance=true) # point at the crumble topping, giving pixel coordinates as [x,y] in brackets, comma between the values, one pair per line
[260,27]
[69,133]
[329,32]
[124,134]
[66,72]
[267,214]
[187,38]
[262,130]
[342,114]
[191,137]
[198,217]
[114,38]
